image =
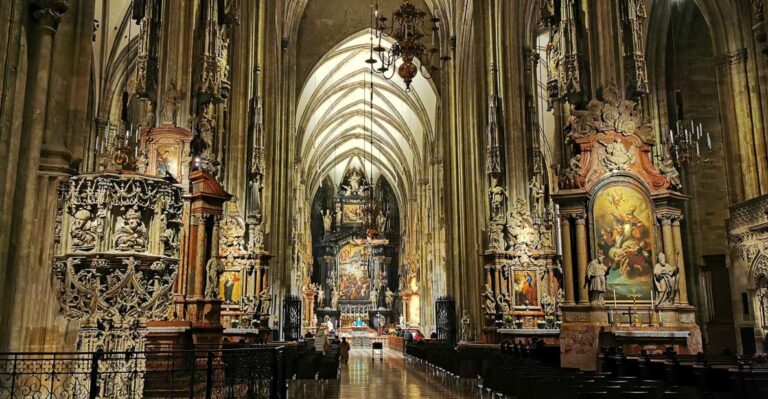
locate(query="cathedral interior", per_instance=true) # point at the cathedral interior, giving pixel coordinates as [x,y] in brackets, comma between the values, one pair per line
[236,198]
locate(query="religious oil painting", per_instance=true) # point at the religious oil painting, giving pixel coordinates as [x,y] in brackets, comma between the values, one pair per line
[526,288]
[167,159]
[354,213]
[354,282]
[230,286]
[623,227]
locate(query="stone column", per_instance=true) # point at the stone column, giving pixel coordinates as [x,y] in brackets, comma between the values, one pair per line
[667,241]
[258,280]
[497,273]
[565,228]
[678,241]
[199,287]
[581,255]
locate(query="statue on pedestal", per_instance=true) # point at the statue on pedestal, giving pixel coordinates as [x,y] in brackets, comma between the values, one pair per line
[389,298]
[665,280]
[465,321]
[335,300]
[327,220]
[595,282]
[264,302]
[213,268]
[320,297]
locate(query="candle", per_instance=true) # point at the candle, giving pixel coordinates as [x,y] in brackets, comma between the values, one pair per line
[671,137]
[651,297]
[709,141]
[615,303]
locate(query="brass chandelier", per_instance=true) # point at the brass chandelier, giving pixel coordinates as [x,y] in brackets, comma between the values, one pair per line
[408,28]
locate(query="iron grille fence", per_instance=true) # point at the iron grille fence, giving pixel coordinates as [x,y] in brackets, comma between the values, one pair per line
[244,372]
[445,319]
[291,318]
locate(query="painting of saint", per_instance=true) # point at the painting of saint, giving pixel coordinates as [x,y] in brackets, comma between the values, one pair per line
[230,287]
[354,282]
[623,228]
[166,160]
[525,288]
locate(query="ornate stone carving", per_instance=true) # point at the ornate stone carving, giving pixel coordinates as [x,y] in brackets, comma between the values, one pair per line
[130,232]
[85,230]
[564,65]
[612,115]
[617,157]
[116,288]
[668,169]
[633,15]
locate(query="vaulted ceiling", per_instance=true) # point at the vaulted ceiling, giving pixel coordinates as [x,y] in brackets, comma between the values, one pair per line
[338,129]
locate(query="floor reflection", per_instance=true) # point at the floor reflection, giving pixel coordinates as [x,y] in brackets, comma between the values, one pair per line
[384,378]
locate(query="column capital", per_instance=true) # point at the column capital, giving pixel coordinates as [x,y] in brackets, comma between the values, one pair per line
[48,13]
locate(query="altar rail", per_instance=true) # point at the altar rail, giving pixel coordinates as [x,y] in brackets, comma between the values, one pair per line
[244,372]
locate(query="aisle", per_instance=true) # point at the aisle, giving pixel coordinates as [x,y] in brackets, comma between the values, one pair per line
[366,379]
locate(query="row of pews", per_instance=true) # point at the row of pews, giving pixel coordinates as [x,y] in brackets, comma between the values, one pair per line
[724,375]
[514,370]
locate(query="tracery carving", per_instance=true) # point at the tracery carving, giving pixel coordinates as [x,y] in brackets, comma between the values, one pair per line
[633,15]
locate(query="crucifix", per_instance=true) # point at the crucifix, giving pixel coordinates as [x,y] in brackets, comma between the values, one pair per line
[635,322]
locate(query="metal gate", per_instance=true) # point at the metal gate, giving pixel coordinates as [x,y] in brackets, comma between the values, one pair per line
[291,318]
[445,319]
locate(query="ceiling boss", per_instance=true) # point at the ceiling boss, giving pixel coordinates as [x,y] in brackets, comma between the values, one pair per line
[408,55]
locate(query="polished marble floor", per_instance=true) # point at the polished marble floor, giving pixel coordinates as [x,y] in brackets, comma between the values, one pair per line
[387,378]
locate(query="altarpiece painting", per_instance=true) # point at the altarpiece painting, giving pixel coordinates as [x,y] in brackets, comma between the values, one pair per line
[623,228]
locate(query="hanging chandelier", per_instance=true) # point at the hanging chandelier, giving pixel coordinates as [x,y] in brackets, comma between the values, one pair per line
[688,144]
[408,55]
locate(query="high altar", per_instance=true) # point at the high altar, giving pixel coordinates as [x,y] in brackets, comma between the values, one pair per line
[355,254]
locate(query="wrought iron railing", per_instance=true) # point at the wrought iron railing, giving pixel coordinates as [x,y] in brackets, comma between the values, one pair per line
[243,372]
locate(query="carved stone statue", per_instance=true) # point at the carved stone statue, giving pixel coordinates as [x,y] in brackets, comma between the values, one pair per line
[667,168]
[617,157]
[498,197]
[142,161]
[666,280]
[320,297]
[465,324]
[130,233]
[335,300]
[84,231]
[149,116]
[537,197]
[595,282]
[338,216]
[327,220]
[171,101]
[212,269]
[354,182]
[264,302]
[256,237]
[374,297]
[389,298]
[496,240]
[381,221]
[489,300]
[503,302]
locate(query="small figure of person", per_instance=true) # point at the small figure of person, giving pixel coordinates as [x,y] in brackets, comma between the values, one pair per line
[344,351]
